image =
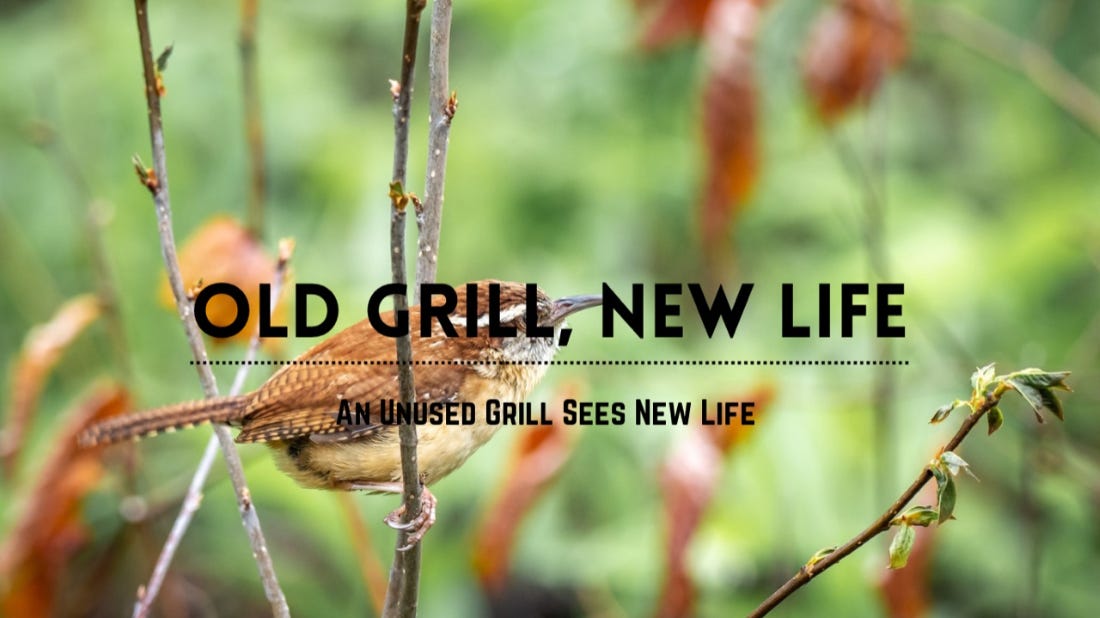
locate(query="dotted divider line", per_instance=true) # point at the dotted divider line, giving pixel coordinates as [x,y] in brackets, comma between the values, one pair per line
[585,363]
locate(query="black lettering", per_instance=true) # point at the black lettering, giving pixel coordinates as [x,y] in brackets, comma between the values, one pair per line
[789,329]
[533,327]
[710,313]
[662,310]
[885,310]
[401,328]
[848,307]
[495,327]
[266,328]
[441,313]
[633,315]
[203,299]
[824,295]
[471,310]
[343,417]
[332,309]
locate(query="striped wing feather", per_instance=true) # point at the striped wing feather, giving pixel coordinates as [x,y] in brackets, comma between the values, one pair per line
[302,399]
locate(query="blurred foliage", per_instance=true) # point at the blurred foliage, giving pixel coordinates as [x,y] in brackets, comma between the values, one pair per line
[576,158]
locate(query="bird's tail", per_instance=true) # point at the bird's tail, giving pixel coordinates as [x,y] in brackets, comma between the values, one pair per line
[165,419]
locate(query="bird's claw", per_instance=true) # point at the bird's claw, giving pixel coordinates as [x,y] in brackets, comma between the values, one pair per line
[416,527]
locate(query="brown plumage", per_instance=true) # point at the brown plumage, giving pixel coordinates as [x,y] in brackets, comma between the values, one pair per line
[295,411]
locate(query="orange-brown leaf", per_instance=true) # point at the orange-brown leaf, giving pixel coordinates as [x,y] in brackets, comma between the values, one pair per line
[853,44]
[538,455]
[725,437]
[41,351]
[689,477]
[673,20]
[370,567]
[729,120]
[223,250]
[50,530]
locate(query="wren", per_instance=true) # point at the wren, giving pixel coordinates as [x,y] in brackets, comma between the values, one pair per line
[295,412]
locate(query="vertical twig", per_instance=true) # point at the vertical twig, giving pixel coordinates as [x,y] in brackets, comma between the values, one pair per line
[254,128]
[157,182]
[442,104]
[193,498]
[92,217]
[878,260]
[874,234]
[404,582]
[1031,516]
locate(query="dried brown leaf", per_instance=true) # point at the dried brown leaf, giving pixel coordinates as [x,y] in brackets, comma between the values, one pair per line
[672,20]
[50,530]
[223,250]
[41,351]
[726,437]
[689,477]
[370,567]
[853,44]
[729,120]
[537,457]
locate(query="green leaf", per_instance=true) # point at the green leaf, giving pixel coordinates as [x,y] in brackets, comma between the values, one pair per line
[995,418]
[955,463]
[1037,398]
[918,516]
[982,378]
[162,59]
[1051,402]
[938,470]
[901,546]
[819,556]
[1040,379]
[945,499]
[1036,385]
[944,411]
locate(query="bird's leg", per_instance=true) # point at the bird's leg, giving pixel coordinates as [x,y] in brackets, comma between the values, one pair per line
[416,527]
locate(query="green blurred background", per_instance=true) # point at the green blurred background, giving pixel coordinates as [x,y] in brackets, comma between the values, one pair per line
[575,159]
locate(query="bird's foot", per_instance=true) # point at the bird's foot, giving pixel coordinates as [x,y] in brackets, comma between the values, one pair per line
[417,526]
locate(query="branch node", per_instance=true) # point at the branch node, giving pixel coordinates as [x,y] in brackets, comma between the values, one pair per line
[193,292]
[451,107]
[398,198]
[147,176]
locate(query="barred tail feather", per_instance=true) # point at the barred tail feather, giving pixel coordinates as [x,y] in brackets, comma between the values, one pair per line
[165,419]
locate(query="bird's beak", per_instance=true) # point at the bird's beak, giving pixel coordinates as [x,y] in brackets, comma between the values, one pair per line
[565,307]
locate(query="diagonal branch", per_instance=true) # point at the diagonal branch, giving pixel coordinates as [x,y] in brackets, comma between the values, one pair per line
[193,499]
[442,104]
[882,524]
[1031,60]
[156,180]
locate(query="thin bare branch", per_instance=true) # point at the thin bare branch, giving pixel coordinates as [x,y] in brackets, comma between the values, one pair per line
[193,498]
[442,104]
[1031,60]
[55,146]
[404,581]
[157,182]
[882,524]
[254,127]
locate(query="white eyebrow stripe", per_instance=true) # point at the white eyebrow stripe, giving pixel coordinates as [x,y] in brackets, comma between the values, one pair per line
[505,317]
